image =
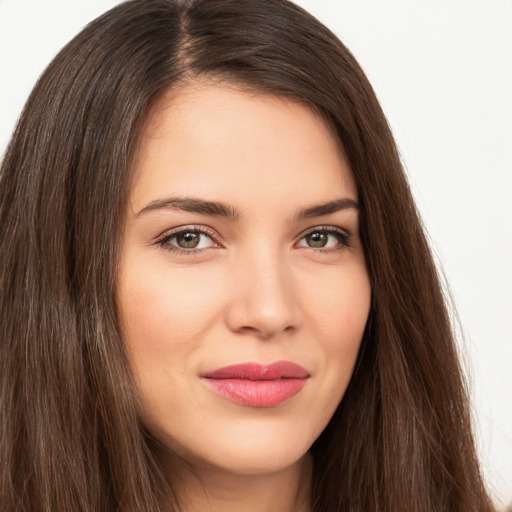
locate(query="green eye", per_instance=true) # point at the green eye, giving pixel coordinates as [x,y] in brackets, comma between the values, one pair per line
[317,239]
[328,238]
[187,240]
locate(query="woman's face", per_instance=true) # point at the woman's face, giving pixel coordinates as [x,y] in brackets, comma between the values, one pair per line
[243,291]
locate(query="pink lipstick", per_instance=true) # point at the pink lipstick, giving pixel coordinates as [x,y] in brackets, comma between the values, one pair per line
[258,385]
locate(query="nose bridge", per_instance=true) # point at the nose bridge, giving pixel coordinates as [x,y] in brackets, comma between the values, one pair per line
[264,301]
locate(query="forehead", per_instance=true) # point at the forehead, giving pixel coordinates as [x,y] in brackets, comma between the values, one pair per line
[216,140]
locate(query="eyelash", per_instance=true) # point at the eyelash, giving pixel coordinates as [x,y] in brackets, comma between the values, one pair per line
[342,236]
[164,240]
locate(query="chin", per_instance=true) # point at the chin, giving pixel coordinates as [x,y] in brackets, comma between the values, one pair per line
[246,461]
[243,449]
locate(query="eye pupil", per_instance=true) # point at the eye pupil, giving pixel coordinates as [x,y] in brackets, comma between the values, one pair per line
[187,240]
[316,239]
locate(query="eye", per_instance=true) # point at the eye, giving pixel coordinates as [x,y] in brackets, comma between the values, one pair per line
[188,239]
[325,238]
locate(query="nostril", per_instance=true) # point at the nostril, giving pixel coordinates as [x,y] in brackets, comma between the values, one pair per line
[264,333]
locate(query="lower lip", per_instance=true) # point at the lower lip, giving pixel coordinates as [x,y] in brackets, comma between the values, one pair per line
[257,393]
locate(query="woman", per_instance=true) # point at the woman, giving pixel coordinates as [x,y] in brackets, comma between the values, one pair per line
[226,297]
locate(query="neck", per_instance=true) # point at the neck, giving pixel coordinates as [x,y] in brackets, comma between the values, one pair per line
[216,490]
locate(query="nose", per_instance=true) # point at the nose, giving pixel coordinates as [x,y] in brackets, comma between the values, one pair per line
[263,301]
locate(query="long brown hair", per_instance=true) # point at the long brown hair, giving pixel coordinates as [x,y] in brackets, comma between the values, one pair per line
[70,436]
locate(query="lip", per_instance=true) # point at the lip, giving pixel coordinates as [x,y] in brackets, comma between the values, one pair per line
[258,385]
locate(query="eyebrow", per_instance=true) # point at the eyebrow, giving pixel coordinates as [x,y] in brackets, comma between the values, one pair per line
[193,205]
[220,209]
[344,203]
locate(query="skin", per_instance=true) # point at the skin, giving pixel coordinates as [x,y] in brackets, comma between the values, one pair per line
[253,290]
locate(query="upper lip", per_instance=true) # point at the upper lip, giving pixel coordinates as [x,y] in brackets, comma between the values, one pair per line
[258,371]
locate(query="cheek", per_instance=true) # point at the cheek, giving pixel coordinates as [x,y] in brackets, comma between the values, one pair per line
[164,314]
[350,311]
[338,312]
[338,303]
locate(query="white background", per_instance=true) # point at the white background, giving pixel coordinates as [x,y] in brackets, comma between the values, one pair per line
[443,72]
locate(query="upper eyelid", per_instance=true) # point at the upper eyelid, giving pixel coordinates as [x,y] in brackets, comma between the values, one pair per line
[206,230]
[329,228]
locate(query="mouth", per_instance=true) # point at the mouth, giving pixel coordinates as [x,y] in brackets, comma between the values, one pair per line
[257,385]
